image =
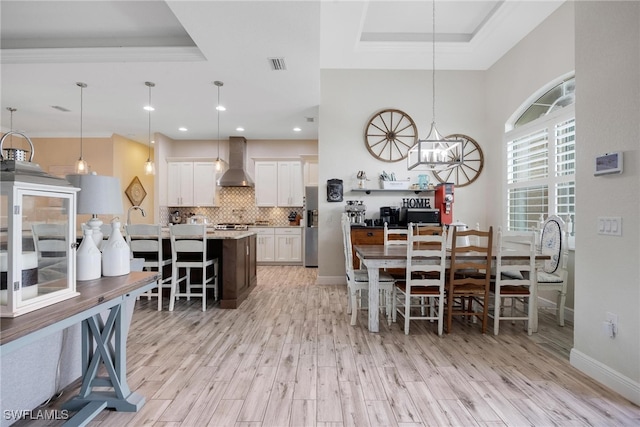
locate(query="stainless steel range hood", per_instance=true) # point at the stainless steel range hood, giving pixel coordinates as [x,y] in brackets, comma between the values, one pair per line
[236,176]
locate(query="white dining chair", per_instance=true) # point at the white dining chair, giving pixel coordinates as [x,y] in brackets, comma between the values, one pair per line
[145,241]
[395,237]
[553,276]
[358,280]
[514,280]
[188,255]
[421,296]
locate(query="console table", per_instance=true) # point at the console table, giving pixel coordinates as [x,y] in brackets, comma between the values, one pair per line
[107,294]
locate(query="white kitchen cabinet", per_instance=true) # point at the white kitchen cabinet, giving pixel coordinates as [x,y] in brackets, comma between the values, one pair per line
[265,243]
[288,244]
[290,184]
[311,173]
[204,183]
[266,183]
[278,245]
[279,183]
[180,184]
[191,184]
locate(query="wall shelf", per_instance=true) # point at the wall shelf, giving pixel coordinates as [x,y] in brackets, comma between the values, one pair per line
[380,190]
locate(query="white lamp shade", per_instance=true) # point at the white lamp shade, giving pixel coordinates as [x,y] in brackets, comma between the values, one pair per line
[98,194]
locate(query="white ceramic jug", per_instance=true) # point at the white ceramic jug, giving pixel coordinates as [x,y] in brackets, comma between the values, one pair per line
[460,240]
[88,257]
[116,256]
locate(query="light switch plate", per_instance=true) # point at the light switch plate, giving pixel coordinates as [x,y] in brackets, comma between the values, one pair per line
[609,225]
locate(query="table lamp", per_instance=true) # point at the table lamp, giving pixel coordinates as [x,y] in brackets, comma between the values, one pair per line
[98,195]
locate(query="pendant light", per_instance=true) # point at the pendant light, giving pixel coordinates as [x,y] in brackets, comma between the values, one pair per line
[435,152]
[81,164]
[11,111]
[149,166]
[219,108]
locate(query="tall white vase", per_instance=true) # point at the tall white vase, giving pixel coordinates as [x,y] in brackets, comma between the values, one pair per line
[115,253]
[88,265]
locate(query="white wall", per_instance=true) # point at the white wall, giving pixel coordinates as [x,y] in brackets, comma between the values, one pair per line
[544,56]
[348,100]
[607,268]
[539,61]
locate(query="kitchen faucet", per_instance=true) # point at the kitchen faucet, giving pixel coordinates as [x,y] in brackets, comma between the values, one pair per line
[132,208]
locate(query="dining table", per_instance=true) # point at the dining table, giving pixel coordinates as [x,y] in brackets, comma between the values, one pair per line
[377,257]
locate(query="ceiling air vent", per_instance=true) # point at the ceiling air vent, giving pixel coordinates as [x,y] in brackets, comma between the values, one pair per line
[277,64]
[59,108]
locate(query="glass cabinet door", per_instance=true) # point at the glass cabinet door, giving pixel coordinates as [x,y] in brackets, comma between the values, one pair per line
[37,249]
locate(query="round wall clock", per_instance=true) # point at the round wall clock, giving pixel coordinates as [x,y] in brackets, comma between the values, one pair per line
[471,166]
[389,134]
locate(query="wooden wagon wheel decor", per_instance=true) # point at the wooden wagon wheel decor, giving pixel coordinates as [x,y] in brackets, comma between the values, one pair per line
[389,134]
[472,162]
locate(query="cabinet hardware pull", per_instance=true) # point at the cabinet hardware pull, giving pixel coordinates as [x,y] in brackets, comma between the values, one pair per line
[369,234]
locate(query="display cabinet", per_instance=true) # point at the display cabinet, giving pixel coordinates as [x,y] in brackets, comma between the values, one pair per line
[37,237]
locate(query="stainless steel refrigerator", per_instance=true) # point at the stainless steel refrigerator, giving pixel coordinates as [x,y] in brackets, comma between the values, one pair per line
[311,227]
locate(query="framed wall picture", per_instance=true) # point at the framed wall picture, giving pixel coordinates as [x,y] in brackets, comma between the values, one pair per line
[135,192]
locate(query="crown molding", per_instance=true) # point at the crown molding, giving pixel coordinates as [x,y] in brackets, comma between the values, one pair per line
[102,54]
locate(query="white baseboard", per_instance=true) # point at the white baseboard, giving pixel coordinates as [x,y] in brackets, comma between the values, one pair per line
[600,372]
[544,303]
[331,280]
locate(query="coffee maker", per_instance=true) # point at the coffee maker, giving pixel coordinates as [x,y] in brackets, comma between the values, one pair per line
[356,211]
[390,215]
[444,202]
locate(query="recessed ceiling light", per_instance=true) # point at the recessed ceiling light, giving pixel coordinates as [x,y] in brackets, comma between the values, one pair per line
[149,108]
[297,129]
[182,129]
[221,108]
[240,129]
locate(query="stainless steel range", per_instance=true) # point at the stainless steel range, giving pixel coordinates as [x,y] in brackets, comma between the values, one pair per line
[231,226]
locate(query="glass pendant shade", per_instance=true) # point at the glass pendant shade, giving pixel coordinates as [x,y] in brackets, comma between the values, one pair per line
[81,164]
[219,163]
[149,168]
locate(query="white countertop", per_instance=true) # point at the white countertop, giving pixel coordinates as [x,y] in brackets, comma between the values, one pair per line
[218,234]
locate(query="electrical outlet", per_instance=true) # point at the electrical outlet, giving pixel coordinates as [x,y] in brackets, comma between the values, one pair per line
[607,329]
[612,325]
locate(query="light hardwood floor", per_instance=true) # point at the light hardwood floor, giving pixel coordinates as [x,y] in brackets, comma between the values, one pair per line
[288,357]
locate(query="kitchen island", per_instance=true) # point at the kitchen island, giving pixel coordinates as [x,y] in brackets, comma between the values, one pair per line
[236,253]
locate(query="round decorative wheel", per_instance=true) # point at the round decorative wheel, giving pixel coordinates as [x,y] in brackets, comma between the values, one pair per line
[472,162]
[389,135]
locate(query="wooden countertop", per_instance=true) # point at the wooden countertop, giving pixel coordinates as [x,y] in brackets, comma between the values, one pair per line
[92,293]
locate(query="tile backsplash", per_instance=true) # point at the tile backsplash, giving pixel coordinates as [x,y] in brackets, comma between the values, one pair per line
[236,205]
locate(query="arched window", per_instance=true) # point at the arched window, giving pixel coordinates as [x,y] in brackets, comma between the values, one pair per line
[540,158]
